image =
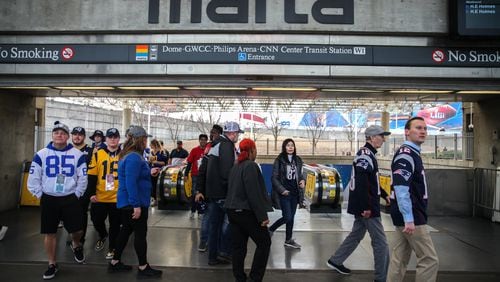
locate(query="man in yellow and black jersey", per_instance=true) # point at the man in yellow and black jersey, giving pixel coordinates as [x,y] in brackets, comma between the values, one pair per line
[103,186]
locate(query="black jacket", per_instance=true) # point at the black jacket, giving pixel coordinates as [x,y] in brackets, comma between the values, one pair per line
[221,158]
[365,193]
[279,177]
[247,190]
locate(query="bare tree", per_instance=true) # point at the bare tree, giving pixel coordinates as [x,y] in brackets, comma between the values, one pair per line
[273,123]
[212,112]
[315,125]
[357,120]
[173,128]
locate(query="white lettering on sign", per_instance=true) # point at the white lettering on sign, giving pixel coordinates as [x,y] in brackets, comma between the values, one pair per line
[437,114]
[473,56]
[359,50]
[4,53]
[27,54]
[340,50]
[198,49]
[252,57]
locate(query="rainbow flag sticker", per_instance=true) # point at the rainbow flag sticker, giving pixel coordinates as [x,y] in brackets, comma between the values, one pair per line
[141,52]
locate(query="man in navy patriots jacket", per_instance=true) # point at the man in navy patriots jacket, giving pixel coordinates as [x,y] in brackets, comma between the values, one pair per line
[364,204]
[409,208]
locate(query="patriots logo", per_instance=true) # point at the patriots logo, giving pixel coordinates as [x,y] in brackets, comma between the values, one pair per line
[362,163]
[404,173]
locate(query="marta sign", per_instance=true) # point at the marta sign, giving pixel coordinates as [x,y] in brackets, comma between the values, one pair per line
[238,11]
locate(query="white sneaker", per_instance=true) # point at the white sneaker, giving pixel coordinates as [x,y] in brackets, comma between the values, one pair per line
[153,202]
[110,255]
[3,230]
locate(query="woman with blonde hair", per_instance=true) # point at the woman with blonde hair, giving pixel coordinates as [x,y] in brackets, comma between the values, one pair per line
[133,199]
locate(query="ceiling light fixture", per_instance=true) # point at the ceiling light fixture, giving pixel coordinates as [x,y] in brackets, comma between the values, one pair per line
[25,87]
[222,88]
[149,87]
[284,88]
[85,88]
[419,91]
[479,92]
[351,90]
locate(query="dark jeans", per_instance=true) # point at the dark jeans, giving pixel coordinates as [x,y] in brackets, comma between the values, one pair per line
[288,209]
[98,213]
[140,229]
[193,192]
[154,181]
[244,224]
[205,225]
[84,203]
[219,240]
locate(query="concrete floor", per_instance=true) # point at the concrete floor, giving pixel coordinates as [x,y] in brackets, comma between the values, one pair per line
[468,249]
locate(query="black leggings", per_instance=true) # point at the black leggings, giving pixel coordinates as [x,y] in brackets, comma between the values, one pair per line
[98,213]
[140,229]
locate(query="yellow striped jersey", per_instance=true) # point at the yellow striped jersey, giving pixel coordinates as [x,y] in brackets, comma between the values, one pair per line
[104,165]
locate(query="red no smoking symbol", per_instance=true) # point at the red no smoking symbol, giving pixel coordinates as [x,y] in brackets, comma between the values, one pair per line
[438,56]
[67,53]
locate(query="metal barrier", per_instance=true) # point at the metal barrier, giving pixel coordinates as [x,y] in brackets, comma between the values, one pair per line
[323,192]
[486,195]
[173,193]
[25,197]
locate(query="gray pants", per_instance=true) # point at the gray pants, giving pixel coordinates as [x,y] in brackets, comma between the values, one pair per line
[379,244]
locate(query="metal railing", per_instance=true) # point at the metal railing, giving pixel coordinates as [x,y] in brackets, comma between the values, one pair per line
[456,147]
[486,194]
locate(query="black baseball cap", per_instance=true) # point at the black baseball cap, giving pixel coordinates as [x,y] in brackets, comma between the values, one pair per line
[112,132]
[78,130]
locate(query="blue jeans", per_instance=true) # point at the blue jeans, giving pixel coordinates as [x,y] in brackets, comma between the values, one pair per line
[205,225]
[194,180]
[288,209]
[219,238]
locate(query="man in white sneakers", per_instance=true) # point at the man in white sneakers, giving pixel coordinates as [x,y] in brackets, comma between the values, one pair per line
[3,230]
[58,177]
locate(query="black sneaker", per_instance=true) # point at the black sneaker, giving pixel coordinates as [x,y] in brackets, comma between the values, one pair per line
[78,254]
[202,247]
[148,272]
[292,244]
[99,245]
[218,261]
[51,272]
[225,257]
[340,268]
[118,267]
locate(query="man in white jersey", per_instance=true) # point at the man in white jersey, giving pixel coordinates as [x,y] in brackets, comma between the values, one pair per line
[58,177]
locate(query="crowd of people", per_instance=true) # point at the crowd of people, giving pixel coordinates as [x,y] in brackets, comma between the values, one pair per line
[118,181]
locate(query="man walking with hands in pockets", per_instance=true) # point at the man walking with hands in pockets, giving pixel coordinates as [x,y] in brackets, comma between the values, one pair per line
[409,208]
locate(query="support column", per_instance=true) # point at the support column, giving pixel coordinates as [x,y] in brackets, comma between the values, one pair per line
[126,119]
[17,121]
[386,118]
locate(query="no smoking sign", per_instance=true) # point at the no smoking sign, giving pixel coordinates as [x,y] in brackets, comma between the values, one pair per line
[438,56]
[67,53]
